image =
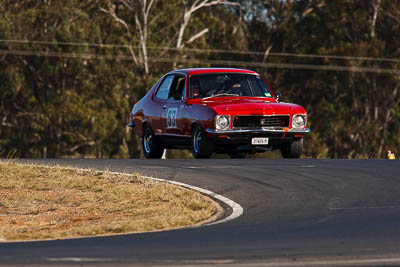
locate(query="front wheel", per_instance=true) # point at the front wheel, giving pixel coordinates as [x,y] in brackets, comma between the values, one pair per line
[152,149]
[202,146]
[293,149]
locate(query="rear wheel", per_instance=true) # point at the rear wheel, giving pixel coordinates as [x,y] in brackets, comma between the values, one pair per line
[152,148]
[202,146]
[293,149]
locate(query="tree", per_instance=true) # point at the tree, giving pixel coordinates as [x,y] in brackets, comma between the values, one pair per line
[358,90]
[58,100]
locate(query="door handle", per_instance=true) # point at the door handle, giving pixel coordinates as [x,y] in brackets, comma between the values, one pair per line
[164,107]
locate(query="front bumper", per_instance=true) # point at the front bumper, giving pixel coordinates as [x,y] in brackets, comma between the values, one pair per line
[261,131]
[241,139]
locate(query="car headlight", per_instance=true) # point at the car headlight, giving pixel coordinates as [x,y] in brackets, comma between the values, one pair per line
[222,122]
[298,121]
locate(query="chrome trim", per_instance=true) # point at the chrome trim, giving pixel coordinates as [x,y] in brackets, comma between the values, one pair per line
[261,130]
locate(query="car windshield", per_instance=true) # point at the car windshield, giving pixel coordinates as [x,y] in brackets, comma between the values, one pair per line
[227,84]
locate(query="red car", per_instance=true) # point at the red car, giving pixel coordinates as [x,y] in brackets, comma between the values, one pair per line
[217,110]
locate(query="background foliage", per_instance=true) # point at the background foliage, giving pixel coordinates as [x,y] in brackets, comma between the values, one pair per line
[70,71]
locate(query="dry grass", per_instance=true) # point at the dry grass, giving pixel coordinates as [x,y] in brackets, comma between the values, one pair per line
[38,202]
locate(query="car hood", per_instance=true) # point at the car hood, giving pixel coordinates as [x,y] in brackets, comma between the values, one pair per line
[235,105]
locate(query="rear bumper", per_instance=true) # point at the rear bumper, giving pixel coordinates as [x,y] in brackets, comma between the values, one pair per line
[259,131]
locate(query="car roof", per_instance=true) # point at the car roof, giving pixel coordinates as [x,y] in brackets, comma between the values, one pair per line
[192,71]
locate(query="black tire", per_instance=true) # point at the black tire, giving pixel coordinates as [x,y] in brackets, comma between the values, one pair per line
[202,146]
[293,149]
[152,148]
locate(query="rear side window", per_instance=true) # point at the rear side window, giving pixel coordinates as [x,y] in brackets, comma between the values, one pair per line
[163,90]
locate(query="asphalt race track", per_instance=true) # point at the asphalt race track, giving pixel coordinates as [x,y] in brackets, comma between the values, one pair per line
[296,213]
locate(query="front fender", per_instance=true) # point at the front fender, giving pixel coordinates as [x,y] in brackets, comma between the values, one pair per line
[199,114]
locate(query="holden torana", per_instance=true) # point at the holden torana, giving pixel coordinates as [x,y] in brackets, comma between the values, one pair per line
[217,110]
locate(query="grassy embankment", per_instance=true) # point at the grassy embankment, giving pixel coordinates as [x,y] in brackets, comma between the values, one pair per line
[38,202]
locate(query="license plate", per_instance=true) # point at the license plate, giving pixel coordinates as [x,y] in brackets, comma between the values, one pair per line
[259,141]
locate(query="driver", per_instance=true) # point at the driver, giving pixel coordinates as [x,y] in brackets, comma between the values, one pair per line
[195,87]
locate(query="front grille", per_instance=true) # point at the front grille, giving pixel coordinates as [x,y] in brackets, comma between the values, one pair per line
[260,121]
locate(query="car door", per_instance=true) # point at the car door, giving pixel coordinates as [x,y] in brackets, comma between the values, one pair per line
[172,114]
[161,100]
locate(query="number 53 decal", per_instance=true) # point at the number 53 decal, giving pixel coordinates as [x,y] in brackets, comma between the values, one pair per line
[171,117]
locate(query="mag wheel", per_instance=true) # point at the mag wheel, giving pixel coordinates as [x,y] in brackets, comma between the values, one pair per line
[202,146]
[152,149]
[293,149]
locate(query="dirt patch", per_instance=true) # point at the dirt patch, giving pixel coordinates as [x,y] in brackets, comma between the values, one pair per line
[39,202]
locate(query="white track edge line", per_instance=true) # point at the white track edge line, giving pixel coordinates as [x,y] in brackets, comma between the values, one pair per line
[237,209]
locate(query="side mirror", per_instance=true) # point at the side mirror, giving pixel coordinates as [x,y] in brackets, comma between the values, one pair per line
[278,96]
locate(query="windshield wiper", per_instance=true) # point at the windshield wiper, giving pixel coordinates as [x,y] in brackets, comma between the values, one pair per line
[217,95]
